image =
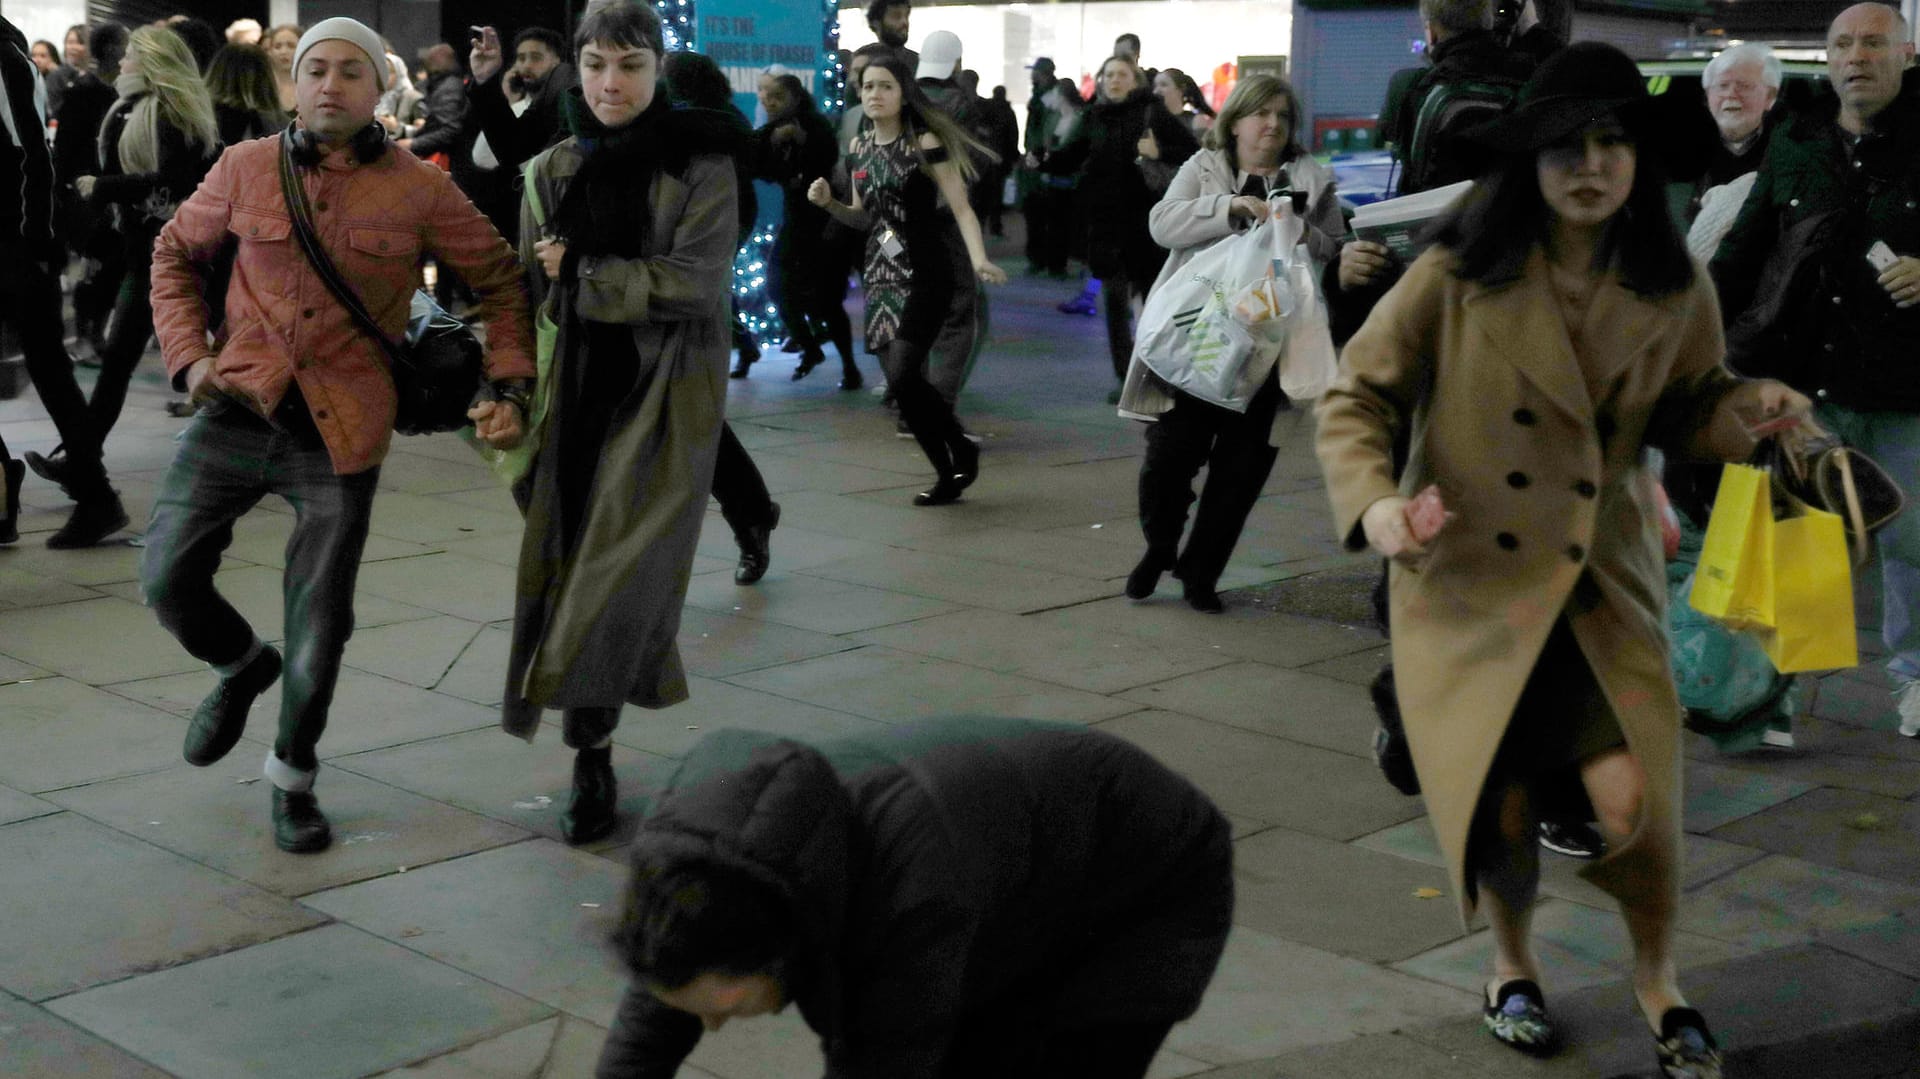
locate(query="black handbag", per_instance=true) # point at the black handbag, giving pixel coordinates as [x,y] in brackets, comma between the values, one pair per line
[1819,469]
[437,371]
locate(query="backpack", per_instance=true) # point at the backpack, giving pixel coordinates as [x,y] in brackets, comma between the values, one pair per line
[1436,155]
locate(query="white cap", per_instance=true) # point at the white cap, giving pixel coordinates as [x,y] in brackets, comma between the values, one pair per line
[351,31]
[939,56]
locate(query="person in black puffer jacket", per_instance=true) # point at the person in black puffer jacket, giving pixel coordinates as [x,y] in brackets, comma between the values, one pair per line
[1106,152]
[958,897]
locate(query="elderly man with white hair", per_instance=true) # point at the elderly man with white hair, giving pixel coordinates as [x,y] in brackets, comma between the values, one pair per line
[1742,84]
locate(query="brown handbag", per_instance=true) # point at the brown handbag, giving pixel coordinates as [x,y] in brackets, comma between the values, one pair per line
[1816,467]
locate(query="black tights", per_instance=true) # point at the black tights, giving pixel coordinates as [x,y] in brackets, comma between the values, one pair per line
[929,416]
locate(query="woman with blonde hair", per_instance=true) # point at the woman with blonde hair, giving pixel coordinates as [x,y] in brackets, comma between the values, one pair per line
[1250,154]
[156,144]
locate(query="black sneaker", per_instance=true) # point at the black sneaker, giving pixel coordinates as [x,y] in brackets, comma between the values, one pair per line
[221,718]
[1575,839]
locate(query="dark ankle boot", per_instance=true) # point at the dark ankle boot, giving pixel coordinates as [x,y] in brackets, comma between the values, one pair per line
[809,359]
[12,474]
[591,814]
[756,551]
[1201,597]
[222,716]
[94,518]
[1146,576]
[850,378]
[298,825]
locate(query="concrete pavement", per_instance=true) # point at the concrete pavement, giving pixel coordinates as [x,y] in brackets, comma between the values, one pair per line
[150,927]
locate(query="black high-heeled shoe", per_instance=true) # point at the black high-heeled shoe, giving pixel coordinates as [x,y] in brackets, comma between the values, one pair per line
[1686,1048]
[1518,1017]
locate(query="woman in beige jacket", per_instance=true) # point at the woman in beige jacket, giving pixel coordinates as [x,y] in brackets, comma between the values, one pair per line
[1556,329]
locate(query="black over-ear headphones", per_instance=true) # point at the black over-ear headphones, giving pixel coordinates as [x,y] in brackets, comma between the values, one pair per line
[368,144]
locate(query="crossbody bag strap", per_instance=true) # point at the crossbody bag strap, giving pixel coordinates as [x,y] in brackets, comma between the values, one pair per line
[317,257]
[1857,516]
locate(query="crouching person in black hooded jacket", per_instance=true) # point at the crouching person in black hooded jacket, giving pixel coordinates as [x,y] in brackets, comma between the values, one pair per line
[956,898]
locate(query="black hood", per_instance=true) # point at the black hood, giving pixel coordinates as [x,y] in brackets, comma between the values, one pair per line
[776,811]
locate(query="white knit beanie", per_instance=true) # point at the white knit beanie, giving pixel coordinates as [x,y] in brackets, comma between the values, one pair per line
[341,28]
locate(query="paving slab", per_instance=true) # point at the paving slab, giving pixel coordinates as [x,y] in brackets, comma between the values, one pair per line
[1780,901]
[716,645]
[790,467]
[1717,794]
[13,670]
[1306,708]
[1168,1064]
[219,816]
[1360,668]
[1577,945]
[1821,766]
[18,805]
[1241,632]
[73,922]
[895,520]
[419,653]
[58,732]
[104,564]
[35,1043]
[892,686]
[499,776]
[1271,995]
[21,588]
[432,519]
[805,601]
[562,1047]
[1012,644]
[1068,550]
[1299,786]
[533,917]
[500,548]
[1845,829]
[993,585]
[469,588]
[795,548]
[1703,859]
[714,704]
[771,1045]
[50,638]
[1340,898]
[1856,702]
[260,538]
[1750,1001]
[426,474]
[369,711]
[334,1003]
[1871,744]
[479,675]
[1369,1057]
[1892,942]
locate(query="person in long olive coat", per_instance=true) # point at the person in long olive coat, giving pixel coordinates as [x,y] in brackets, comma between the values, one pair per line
[632,265]
[1531,356]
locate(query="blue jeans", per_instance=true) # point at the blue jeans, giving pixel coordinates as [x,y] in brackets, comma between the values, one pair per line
[229,459]
[1893,439]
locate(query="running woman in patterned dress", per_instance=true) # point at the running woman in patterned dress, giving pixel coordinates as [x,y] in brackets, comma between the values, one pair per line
[913,159]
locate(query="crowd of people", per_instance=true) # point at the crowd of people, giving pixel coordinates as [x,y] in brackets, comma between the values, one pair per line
[586,200]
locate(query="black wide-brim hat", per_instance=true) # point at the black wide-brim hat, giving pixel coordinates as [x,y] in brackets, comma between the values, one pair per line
[1586,82]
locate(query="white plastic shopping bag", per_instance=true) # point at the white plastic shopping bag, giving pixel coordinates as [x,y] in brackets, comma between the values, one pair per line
[1189,333]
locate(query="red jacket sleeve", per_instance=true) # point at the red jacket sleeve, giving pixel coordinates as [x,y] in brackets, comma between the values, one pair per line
[460,236]
[183,256]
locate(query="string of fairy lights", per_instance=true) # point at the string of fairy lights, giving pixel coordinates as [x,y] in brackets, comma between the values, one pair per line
[756,308]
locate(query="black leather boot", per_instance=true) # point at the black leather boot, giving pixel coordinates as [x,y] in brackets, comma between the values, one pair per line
[591,814]
[12,473]
[222,716]
[298,825]
[756,551]
[1146,575]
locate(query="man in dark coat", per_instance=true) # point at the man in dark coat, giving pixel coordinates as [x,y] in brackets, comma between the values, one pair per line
[540,66]
[1839,178]
[445,131]
[955,898]
[1461,47]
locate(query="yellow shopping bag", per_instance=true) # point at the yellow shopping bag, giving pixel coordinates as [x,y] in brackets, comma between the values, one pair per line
[1813,627]
[1734,581]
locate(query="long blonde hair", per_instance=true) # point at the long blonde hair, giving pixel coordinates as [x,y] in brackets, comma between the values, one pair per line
[176,94]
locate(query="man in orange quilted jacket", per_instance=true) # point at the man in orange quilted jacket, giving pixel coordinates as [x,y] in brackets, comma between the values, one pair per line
[298,400]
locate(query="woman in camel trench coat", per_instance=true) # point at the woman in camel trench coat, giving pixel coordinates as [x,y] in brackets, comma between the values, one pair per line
[1530,367]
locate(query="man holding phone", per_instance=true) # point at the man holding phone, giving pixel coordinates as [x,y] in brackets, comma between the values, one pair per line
[541,68]
[1845,185]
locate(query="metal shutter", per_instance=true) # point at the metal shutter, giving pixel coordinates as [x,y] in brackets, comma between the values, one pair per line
[1342,59]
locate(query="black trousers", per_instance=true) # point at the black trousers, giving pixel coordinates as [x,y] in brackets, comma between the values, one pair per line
[127,338]
[1049,216]
[928,415]
[1233,447]
[30,301]
[737,485]
[1119,1051]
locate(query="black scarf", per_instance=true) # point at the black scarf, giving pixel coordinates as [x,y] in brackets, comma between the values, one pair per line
[599,213]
